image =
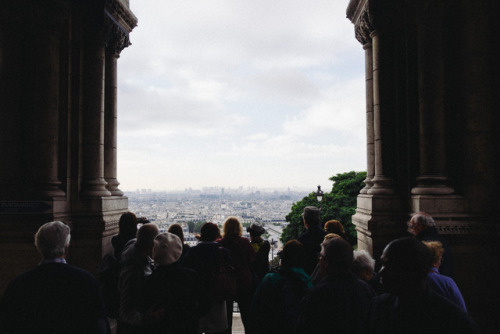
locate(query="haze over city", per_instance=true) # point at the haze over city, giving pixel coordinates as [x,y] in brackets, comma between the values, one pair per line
[240,93]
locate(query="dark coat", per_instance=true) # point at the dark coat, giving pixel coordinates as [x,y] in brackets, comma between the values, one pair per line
[275,306]
[430,314]
[242,256]
[260,266]
[338,304]
[53,298]
[312,239]
[178,293]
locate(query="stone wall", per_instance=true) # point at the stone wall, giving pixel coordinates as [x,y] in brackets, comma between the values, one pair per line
[431,94]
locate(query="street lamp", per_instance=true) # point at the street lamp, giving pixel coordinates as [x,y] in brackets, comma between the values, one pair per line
[319,194]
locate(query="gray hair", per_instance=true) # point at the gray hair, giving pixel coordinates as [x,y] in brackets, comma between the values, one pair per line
[51,239]
[424,219]
[362,260]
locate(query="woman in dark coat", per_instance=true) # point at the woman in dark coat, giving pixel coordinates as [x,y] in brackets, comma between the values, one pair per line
[204,258]
[242,256]
[173,295]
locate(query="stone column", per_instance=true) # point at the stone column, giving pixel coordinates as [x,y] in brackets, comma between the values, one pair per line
[370,146]
[110,124]
[92,178]
[117,39]
[431,89]
[43,139]
[382,185]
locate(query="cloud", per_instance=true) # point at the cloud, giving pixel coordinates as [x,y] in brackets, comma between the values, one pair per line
[233,92]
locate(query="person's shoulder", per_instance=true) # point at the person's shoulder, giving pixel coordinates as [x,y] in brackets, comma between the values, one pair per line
[452,314]
[24,279]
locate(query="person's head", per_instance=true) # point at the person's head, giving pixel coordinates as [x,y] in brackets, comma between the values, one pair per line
[145,238]
[336,256]
[405,264]
[167,248]
[437,250]
[420,222]
[334,226]
[52,240]
[292,255]
[363,265]
[232,227]
[128,225]
[311,216]
[331,236]
[209,232]
[177,230]
[255,230]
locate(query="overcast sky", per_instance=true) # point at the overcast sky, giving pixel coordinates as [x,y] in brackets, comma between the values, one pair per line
[232,93]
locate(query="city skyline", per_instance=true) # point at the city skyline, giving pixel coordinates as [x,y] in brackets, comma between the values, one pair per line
[231,92]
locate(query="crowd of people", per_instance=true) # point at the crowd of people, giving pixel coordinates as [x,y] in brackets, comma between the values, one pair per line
[322,284]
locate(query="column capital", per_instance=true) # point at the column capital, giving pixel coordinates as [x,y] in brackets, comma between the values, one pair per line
[119,22]
[359,14]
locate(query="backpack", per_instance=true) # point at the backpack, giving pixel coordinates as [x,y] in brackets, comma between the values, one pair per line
[109,274]
[223,284]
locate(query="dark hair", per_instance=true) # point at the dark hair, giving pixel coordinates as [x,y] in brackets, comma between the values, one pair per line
[146,236]
[177,230]
[209,232]
[128,224]
[409,256]
[338,253]
[312,216]
[292,255]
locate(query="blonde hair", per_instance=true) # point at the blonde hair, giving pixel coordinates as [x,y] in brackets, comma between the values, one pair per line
[436,249]
[232,226]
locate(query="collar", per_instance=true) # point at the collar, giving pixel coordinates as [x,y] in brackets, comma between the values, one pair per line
[434,270]
[55,260]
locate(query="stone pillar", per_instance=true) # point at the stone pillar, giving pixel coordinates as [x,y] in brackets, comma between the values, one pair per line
[370,146]
[110,124]
[382,185]
[431,88]
[92,145]
[43,138]
[116,37]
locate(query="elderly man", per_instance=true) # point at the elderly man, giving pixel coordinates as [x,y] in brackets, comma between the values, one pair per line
[423,226]
[54,297]
[137,265]
[410,306]
[312,237]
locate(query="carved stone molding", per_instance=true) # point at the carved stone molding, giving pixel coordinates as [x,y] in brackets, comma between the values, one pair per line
[359,14]
[119,22]
[122,14]
[115,38]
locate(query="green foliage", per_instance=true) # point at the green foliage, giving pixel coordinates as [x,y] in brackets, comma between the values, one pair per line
[197,226]
[191,226]
[338,204]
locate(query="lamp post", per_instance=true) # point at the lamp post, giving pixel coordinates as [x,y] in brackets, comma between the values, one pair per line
[272,249]
[319,196]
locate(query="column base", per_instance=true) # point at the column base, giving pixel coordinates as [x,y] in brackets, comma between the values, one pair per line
[381,186]
[368,185]
[378,220]
[432,185]
[112,186]
[95,188]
